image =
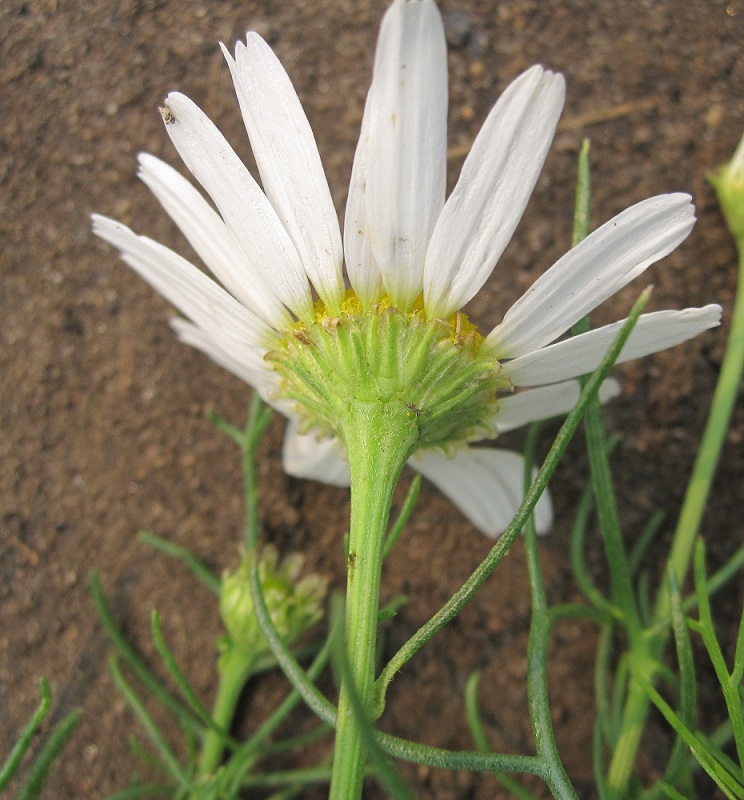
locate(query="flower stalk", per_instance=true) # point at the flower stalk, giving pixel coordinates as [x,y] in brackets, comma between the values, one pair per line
[379,439]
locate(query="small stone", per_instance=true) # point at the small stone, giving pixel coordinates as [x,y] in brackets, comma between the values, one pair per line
[457,28]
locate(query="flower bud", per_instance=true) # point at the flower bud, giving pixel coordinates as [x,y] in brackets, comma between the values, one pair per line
[294,605]
[728,181]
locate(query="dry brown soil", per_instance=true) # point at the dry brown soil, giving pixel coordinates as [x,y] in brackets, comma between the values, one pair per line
[103,412]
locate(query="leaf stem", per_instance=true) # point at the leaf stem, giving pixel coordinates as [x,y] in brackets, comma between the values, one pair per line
[537,656]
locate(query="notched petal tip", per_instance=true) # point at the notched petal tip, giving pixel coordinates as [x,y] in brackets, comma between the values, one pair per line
[228,55]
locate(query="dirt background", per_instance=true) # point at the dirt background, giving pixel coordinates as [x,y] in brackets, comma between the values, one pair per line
[103,412]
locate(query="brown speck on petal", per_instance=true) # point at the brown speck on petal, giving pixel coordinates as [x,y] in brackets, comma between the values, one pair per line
[167,114]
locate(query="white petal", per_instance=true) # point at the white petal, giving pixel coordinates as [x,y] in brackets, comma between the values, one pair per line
[240,201]
[289,163]
[486,485]
[594,270]
[406,113]
[229,323]
[211,239]
[546,402]
[364,273]
[582,354]
[497,179]
[320,459]
[263,379]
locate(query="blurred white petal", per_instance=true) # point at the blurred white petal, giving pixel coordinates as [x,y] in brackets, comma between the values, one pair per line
[244,207]
[239,361]
[211,239]
[364,273]
[496,182]
[486,485]
[406,149]
[191,291]
[594,270]
[289,164]
[308,456]
[545,402]
[582,354]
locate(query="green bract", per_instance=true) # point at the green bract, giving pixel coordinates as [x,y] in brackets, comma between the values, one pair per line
[434,369]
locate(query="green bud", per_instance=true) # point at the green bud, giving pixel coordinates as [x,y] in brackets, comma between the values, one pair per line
[728,181]
[294,604]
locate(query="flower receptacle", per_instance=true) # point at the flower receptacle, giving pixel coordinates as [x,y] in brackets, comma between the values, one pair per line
[432,371]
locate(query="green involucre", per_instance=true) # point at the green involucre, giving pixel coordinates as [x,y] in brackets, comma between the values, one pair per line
[433,368]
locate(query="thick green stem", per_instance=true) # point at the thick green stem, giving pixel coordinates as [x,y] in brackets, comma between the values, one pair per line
[379,439]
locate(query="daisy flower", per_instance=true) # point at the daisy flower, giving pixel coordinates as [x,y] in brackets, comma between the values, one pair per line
[315,344]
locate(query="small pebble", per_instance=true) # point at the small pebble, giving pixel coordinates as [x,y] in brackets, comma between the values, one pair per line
[458,28]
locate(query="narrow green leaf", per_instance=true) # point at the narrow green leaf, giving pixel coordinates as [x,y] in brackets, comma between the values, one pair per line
[706,618]
[39,771]
[226,427]
[598,755]
[297,742]
[728,763]
[578,551]
[405,513]
[182,683]
[603,689]
[144,790]
[622,594]
[243,759]
[538,647]
[169,759]
[24,740]
[677,765]
[471,761]
[293,777]
[719,578]
[707,759]
[472,713]
[199,568]
[643,599]
[582,204]
[731,688]
[291,668]
[144,674]
[738,671]
[649,533]
[688,683]
[670,791]
[578,611]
